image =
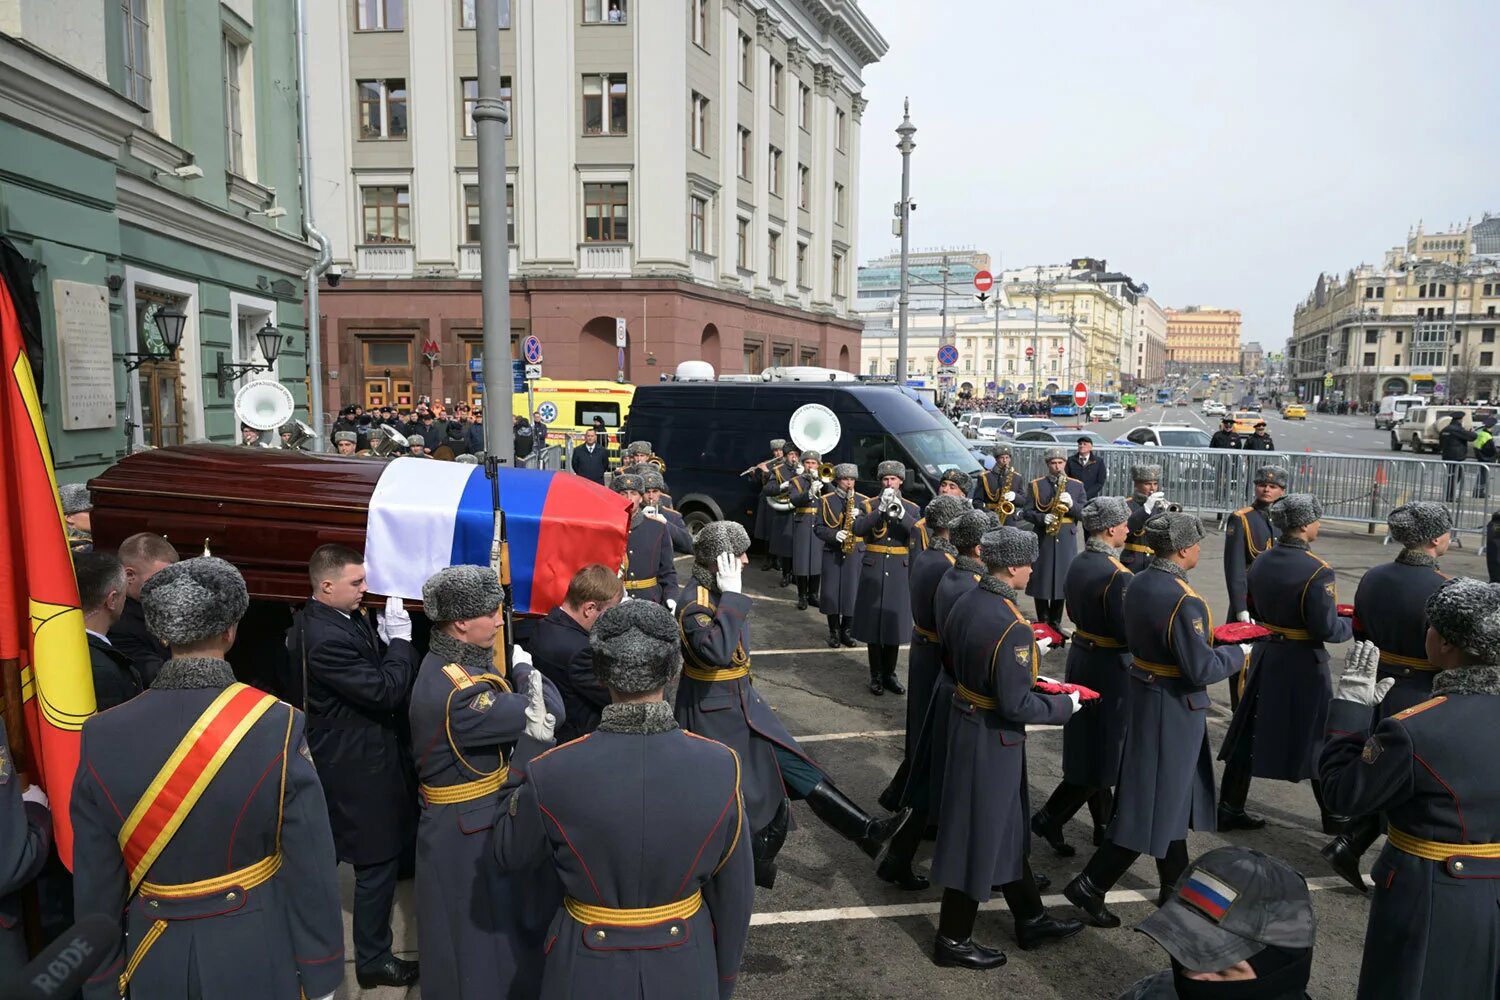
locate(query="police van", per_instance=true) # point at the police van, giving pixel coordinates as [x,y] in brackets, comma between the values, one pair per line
[711,432]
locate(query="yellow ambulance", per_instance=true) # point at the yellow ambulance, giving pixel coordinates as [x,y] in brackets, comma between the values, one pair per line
[570,406]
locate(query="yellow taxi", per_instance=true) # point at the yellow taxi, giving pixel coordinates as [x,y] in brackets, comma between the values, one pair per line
[1245,421]
[568,407]
[1294,411]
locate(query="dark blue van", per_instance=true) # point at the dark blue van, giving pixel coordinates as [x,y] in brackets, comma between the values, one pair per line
[708,433]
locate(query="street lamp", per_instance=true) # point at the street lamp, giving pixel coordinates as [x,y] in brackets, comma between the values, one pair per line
[269,339]
[169,324]
[903,215]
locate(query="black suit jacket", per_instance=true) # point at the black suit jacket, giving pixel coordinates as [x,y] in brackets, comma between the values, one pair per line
[356,698]
[560,650]
[591,466]
[130,636]
[1092,476]
[116,680]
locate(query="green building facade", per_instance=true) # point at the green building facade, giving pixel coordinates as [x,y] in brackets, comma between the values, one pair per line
[149,163]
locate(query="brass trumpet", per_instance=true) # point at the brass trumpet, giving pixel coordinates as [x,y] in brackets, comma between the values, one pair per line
[825,472]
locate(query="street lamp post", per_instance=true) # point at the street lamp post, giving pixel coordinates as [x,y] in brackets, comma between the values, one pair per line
[905,130]
[490,119]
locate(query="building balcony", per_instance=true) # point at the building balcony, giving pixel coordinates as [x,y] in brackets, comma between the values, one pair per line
[705,269]
[469,267]
[597,260]
[383,260]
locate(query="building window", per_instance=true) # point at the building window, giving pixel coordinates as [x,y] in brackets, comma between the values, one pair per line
[838,274]
[838,203]
[697,224]
[742,243]
[802,265]
[466,17]
[1399,335]
[382,109]
[840,130]
[1486,358]
[1369,359]
[778,79]
[804,186]
[606,213]
[387,214]
[379,15]
[234,128]
[471,99]
[1397,362]
[1487,335]
[596,87]
[773,256]
[471,213]
[774,166]
[744,165]
[137,51]
[700,23]
[700,123]
[1372,336]
[747,50]
[804,107]
[603,11]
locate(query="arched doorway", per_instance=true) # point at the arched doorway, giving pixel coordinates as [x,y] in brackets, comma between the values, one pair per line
[708,347]
[844,358]
[597,355]
[1393,387]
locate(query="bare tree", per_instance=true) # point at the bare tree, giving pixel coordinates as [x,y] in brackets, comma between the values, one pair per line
[1463,375]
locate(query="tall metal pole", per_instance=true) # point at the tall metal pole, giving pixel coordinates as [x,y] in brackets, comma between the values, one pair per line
[997,345]
[490,119]
[1457,273]
[905,130]
[1036,335]
[325,249]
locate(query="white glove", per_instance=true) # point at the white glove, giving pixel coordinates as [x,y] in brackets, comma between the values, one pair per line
[671,605]
[816,488]
[396,621]
[786,486]
[1066,499]
[540,723]
[35,794]
[1357,683]
[1156,502]
[1009,496]
[519,658]
[1245,649]
[1077,701]
[727,573]
[652,514]
[1049,520]
[1043,644]
[841,537]
[1243,616]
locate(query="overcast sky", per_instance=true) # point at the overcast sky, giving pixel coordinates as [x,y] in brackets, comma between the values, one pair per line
[1224,153]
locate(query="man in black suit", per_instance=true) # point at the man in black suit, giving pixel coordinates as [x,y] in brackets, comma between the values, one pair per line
[1085,467]
[143,555]
[356,676]
[591,458]
[101,595]
[560,648]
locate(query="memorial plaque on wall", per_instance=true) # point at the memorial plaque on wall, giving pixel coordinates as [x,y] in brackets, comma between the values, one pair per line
[87,355]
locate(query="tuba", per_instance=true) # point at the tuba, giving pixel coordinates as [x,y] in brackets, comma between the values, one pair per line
[263,404]
[390,442]
[814,427]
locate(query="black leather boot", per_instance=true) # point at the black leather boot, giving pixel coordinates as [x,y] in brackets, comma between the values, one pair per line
[966,954]
[1230,818]
[890,796]
[888,678]
[801,593]
[894,863]
[845,635]
[786,573]
[1234,787]
[1101,810]
[1089,898]
[844,817]
[892,683]
[766,843]
[389,971]
[833,631]
[1049,829]
[1039,930]
[1343,853]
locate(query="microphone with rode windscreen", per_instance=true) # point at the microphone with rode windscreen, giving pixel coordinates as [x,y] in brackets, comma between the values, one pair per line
[64,965]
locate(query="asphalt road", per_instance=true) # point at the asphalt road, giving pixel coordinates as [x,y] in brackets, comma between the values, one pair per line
[830,929]
[1320,433]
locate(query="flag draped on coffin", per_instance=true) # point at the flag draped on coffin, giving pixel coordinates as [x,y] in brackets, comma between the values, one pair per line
[43,648]
[426,515]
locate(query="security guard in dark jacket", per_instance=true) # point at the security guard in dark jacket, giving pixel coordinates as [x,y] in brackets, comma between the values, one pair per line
[223,875]
[1166,773]
[480,932]
[1001,485]
[1052,503]
[807,547]
[1247,534]
[1147,499]
[650,574]
[644,824]
[838,582]
[355,678]
[882,619]
[1098,659]
[560,648]
[1435,915]
[1277,732]
[25,839]
[1390,611]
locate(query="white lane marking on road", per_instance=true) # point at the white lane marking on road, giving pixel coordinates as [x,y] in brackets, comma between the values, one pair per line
[883,733]
[891,910]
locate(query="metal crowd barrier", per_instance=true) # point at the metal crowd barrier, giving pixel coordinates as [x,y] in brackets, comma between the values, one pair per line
[1362,489]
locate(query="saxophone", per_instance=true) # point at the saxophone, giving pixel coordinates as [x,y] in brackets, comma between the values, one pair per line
[1059,487]
[847,545]
[1006,508]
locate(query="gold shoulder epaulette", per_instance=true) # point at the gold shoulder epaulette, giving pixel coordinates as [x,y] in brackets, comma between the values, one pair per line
[1424,706]
[457,675]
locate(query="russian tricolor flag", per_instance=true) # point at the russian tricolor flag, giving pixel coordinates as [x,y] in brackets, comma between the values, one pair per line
[1210,895]
[426,515]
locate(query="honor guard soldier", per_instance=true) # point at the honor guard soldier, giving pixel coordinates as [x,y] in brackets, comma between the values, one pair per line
[353,677]
[838,583]
[480,931]
[1166,773]
[1389,610]
[1000,485]
[77,508]
[954,483]
[655,498]
[650,574]
[982,840]
[26,820]
[560,648]
[883,618]
[1148,499]
[1277,732]
[345,442]
[644,824]
[1052,503]
[199,822]
[759,476]
[1098,659]
[717,699]
[922,669]
[1249,533]
[640,453]
[1435,915]
[778,528]
[807,548]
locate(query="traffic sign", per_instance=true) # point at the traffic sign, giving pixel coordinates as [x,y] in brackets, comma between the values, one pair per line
[518,375]
[947,355]
[1328,381]
[620,333]
[1080,394]
[533,372]
[983,281]
[532,349]
[1030,353]
[476,370]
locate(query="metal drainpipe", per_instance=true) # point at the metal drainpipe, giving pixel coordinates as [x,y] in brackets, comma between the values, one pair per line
[325,248]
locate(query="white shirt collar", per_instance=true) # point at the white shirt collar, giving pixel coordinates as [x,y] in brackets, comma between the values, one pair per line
[97,635]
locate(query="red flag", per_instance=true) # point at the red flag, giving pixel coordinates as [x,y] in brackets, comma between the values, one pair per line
[41,625]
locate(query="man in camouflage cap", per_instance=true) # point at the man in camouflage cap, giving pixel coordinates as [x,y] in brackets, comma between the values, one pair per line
[77,507]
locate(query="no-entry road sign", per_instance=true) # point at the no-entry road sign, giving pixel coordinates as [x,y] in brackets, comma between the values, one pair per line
[983,281]
[1080,394]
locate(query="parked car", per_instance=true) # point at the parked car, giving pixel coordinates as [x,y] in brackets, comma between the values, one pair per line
[1419,429]
[1100,413]
[1213,408]
[981,453]
[1393,408]
[1015,426]
[1293,411]
[1118,409]
[1063,436]
[987,425]
[1245,421]
[1166,436]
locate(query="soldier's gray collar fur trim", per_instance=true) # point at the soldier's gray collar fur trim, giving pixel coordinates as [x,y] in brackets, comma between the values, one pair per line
[970,564]
[641,718]
[993,586]
[1260,505]
[1416,557]
[1168,566]
[1468,680]
[1293,543]
[465,654]
[1102,547]
[636,519]
[706,577]
[939,544]
[1140,498]
[193,673]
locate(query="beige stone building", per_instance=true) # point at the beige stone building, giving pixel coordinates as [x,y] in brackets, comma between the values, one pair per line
[1252,358]
[1083,295]
[1203,339]
[1148,344]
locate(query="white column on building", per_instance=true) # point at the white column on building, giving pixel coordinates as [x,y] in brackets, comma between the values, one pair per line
[761,138]
[548,136]
[856,128]
[726,110]
[821,249]
[658,189]
[431,85]
[791,161]
[334,197]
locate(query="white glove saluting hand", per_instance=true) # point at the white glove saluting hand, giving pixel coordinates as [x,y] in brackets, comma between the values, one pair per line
[1156,502]
[395,623]
[540,723]
[1358,683]
[727,573]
